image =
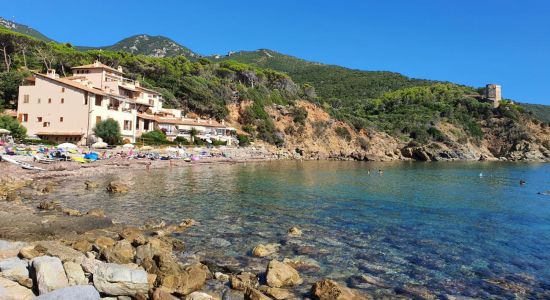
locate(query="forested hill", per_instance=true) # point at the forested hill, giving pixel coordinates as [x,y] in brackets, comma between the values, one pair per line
[20,28]
[156,46]
[332,83]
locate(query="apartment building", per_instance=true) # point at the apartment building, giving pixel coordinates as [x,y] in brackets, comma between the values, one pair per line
[67,109]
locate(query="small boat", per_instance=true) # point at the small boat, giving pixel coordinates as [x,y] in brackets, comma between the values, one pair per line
[187,159]
[30,167]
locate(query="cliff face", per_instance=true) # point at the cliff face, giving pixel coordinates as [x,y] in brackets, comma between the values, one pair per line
[323,137]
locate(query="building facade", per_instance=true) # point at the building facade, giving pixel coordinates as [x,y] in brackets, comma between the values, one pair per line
[67,109]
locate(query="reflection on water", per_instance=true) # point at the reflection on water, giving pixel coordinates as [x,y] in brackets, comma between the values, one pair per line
[440,225]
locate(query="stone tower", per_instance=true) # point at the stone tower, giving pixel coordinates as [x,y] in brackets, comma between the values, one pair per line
[493,93]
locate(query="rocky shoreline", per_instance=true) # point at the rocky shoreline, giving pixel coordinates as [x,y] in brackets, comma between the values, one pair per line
[54,252]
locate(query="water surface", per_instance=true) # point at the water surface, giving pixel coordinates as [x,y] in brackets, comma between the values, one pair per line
[438,225]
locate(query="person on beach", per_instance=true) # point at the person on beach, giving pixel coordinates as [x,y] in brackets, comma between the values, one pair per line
[148,165]
[380,172]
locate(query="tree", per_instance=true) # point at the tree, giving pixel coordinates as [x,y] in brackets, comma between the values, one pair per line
[155,137]
[109,131]
[11,124]
[9,87]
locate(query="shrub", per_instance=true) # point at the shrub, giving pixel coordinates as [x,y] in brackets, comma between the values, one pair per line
[343,132]
[218,143]
[436,134]
[243,139]
[11,124]
[299,115]
[155,137]
[319,127]
[109,131]
[38,142]
[180,140]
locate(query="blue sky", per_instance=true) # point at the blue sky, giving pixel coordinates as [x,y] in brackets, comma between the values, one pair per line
[470,42]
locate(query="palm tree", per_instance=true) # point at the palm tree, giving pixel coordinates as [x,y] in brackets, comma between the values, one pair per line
[193,133]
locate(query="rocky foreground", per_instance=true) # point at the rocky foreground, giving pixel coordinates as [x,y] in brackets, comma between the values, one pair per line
[67,254]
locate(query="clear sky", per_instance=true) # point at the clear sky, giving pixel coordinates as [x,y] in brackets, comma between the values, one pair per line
[470,42]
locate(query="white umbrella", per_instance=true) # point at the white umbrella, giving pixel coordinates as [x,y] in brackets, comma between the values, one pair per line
[128,146]
[99,145]
[4,131]
[67,146]
[171,149]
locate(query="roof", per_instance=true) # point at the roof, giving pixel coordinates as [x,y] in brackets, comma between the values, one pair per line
[73,84]
[59,133]
[9,112]
[97,65]
[148,90]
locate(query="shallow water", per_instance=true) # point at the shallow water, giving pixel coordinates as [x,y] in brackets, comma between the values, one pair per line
[439,225]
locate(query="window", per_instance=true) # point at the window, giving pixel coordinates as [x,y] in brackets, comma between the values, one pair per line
[26,98]
[86,99]
[23,117]
[63,90]
[127,125]
[46,124]
[97,119]
[62,100]
[49,100]
[38,119]
[38,100]
[61,119]
[98,100]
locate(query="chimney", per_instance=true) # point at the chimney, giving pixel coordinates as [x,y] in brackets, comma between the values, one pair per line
[51,73]
[119,69]
[223,122]
[136,82]
[96,63]
[210,121]
[198,120]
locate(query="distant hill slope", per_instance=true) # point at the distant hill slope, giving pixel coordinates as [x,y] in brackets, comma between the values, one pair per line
[155,46]
[24,29]
[329,81]
[540,111]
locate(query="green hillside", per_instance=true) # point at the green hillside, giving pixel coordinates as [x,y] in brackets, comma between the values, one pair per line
[539,111]
[13,26]
[143,44]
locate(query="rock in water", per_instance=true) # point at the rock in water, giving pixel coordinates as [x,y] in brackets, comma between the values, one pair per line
[49,274]
[90,184]
[117,187]
[79,292]
[119,280]
[330,290]
[10,290]
[75,274]
[254,294]
[14,269]
[265,250]
[294,231]
[279,274]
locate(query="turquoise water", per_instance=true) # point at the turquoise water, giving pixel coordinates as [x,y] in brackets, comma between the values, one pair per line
[436,225]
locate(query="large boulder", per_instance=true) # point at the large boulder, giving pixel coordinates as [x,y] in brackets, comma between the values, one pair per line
[49,274]
[134,235]
[65,253]
[30,252]
[189,280]
[121,252]
[80,292]
[264,250]
[103,242]
[254,294]
[10,249]
[10,290]
[14,269]
[74,273]
[119,280]
[199,296]
[330,290]
[90,265]
[162,294]
[279,274]
[117,187]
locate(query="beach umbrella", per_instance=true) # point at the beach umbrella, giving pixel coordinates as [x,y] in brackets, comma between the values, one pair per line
[67,146]
[4,131]
[128,146]
[171,149]
[99,145]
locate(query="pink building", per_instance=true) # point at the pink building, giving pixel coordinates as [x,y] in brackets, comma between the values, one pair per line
[67,109]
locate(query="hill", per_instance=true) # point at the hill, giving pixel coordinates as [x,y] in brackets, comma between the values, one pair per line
[541,112]
[143,44]
[13,26]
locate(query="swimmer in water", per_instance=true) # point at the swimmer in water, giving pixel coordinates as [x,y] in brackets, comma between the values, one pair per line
[522,182]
